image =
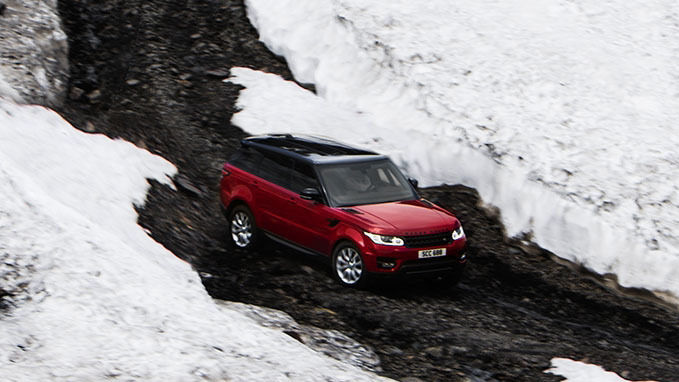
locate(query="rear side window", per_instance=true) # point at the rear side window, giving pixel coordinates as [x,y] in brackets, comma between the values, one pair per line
[246,160]
[275,168]
[303,176]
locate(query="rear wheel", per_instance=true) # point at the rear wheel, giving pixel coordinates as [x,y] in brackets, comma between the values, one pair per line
[348,266]
[242,227]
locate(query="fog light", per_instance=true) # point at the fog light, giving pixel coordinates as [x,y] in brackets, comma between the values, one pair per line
[463,256]
[386,263]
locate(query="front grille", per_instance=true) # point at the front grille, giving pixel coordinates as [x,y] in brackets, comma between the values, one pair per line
[423,241]
[433,265]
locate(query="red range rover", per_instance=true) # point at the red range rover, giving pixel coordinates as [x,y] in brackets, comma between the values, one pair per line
[351,205]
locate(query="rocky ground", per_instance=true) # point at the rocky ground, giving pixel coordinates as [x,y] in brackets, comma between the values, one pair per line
[150,71]
[33,52]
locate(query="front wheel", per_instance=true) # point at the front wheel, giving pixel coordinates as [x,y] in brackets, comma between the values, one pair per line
[347,265]
[242,227]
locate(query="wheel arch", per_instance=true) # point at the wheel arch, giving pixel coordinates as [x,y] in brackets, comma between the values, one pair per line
[350,234]
[238,194]
[235,203]
[340,242]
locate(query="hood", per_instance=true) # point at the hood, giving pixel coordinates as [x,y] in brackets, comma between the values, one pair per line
[405,218]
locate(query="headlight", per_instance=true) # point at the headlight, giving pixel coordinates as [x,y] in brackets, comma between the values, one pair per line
[384,240]
[458,233]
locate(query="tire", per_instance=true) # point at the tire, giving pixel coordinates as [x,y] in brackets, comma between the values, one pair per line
[348,266]
[242,227]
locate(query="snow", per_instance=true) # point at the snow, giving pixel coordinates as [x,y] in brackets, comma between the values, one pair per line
[563,114]
[330,342]
[92,295]
[576,371]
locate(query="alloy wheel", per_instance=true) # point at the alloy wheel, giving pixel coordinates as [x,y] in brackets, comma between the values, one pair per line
[349,266]
[241,229]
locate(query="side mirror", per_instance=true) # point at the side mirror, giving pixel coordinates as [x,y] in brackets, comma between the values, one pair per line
[413,182]
[311,193]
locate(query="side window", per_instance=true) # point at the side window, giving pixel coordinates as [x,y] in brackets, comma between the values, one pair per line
[275,168]
[303,176]
[246,160]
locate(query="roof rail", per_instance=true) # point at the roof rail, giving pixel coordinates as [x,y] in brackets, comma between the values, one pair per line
[307,145]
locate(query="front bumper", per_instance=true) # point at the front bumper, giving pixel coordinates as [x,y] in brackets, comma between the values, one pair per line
[384,259]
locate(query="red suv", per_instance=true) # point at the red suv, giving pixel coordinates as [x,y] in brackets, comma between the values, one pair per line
[354,206]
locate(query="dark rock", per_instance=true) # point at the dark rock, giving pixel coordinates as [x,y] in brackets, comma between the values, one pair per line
[75,93]
[457,349]
[184,184]
[185,83]
[94,96]
[434,351]
[393,350]
[3,7]
[216,73]
[294,335]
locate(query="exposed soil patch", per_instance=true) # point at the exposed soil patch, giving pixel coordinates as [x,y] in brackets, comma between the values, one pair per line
[150,71]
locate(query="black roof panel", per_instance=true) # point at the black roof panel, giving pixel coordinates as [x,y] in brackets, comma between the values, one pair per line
[312,148]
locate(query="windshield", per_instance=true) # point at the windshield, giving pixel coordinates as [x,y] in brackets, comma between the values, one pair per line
[350,184]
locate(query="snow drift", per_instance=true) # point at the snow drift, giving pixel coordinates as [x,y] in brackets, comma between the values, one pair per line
[92,296]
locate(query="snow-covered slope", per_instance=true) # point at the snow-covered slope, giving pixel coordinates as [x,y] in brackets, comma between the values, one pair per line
[92,295]
[562,114]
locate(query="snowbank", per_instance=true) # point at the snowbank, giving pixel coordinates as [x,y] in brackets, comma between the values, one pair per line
[561,114]
[93,296]
[575,371]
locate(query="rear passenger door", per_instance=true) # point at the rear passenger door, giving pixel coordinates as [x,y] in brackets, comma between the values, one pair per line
[272,193]
[309,221]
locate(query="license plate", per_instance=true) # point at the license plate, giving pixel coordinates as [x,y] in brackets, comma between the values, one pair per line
[427,253]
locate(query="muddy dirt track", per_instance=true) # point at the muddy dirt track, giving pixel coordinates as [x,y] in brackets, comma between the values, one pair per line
[151,72]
